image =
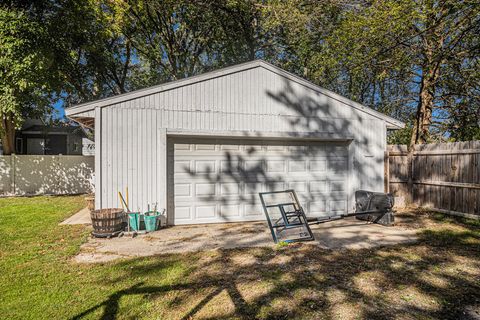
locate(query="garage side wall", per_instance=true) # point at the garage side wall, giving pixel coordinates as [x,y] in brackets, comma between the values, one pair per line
[133,133]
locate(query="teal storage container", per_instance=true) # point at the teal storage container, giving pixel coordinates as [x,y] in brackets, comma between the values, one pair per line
[134,219]
[151,220]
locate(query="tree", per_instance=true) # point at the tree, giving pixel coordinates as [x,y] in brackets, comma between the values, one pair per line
[26,78]
[413,51]
[94,58]
[298,30]
[461,92]
[177,39]
[391,55]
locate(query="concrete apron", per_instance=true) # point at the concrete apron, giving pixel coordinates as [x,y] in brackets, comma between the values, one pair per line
[349,233]
[81,217]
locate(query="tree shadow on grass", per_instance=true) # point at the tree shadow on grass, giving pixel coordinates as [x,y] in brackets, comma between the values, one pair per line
[435,278]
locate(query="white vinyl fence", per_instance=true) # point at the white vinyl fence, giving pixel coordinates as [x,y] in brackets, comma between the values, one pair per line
[35,175]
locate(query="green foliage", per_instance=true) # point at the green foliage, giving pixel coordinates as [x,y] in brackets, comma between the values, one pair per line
[461,96]
[94,58]
[25,76]
[177,39]
[282,244]
[298,29]
[401,136]
[464,123]
[395,56]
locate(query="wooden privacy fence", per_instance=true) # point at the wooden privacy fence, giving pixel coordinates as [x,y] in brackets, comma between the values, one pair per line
[34,175]
[443,176]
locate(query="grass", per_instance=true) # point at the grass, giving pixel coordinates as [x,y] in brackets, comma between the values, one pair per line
[438,277]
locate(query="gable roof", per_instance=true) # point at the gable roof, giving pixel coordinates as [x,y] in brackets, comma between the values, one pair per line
[89,106]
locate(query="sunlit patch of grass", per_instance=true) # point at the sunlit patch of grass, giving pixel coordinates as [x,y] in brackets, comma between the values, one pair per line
[445,237]
[282,244]
[369,283]
[449,219]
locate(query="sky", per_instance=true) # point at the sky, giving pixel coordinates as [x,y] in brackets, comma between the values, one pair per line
[58,106]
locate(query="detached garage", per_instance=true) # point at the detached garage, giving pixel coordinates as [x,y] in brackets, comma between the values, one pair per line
[203,147]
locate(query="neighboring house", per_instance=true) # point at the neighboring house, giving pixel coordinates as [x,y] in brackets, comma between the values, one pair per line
[88,147]
[203,147]
[36,138]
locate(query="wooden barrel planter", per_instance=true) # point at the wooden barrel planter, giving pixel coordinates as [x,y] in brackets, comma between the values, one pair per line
[107,222]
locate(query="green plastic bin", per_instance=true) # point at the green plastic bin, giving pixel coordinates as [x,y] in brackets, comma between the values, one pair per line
[134,219]
[151,220]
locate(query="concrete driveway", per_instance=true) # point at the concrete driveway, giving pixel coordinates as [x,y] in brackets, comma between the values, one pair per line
[348,233]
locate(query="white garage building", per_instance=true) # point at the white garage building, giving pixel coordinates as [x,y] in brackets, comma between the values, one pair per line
[203,147]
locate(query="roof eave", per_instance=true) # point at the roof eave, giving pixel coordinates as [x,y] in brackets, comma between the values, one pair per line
[395,125]
[88,106]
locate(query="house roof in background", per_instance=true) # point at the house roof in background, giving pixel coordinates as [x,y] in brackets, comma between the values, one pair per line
[49,129]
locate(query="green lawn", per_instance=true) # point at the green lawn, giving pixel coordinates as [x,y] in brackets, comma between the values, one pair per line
[438,277]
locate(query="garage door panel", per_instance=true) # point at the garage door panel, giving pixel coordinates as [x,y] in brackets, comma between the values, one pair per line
[337,166]
[205,200]
[253,188]
[220,182]
[205,189]
[254,211]
[276,148]
[298,186]
[251,199]
[230,166]
[275,186]
[317,186]
[252,149]
[299,149]
[205,212]
[275,165]
[204,146]
[299,166]
[230,189]
[338,206]
[317,208]
[182,146]
[253,165]
[318,165]
[230,147]
[183,213]
[337,185]
[182,166]
[183,190]
[204,166]
[232,210]
[327,177]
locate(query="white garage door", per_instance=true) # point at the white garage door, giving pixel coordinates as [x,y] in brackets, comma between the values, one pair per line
[219,180]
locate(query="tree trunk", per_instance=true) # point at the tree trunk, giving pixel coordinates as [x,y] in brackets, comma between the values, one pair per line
[7,135]
[433,44]
[423,119]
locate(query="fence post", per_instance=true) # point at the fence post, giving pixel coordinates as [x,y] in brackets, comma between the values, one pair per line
[14,169]
[386,162]
[410,175]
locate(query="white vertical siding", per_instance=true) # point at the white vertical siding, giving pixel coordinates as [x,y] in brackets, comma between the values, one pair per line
[98,158]
[129,157]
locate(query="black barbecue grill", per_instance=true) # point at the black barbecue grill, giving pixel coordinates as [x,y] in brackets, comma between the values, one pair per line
[289,223]
[376,206]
